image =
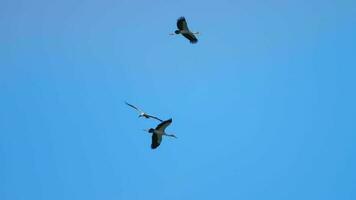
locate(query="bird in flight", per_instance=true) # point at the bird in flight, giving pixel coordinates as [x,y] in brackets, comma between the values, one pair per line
[159,132]
[143,114]
[184,30]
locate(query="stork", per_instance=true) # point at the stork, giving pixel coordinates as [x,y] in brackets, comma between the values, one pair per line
[184,30]
[159,132]
[142,113]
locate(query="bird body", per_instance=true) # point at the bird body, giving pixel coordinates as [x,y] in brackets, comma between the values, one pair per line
[143,114]
[159,132]
[184,30]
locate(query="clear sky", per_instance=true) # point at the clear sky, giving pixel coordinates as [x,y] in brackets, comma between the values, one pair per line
[263,105]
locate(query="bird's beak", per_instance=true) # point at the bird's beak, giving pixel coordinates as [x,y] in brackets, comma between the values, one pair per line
[172,34]
[145,130]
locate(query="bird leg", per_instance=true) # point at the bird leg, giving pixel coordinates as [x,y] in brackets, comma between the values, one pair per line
[171,135]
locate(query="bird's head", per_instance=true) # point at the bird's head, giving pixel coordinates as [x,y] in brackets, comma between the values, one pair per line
[176,31]
[151,130]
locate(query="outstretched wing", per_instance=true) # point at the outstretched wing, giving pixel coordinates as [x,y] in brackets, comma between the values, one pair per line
[153,117]
[156,140]
[134,107]
[162,126]
[182,24]
[191,37]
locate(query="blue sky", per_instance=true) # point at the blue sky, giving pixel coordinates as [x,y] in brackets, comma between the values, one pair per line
[263,105]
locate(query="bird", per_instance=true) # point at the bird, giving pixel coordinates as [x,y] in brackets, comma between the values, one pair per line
[184,30]
[143,114]
[159,132]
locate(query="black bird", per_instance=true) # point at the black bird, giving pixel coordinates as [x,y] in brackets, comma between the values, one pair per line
[184,30]
[158,132]
[143,114]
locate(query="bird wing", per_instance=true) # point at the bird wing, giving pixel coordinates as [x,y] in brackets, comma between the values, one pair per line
[134,107]
[156,140]
[182,24]
[191,37]
[153,117]
[162,126]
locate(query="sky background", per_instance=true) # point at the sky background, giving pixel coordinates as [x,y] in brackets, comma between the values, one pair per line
[263,105]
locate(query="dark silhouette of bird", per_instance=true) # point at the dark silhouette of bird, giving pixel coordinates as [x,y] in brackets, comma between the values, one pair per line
[159,132]
[184,30]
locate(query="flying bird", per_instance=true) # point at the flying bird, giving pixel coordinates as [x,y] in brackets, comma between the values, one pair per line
[159,132]
[143,114]
[184,30]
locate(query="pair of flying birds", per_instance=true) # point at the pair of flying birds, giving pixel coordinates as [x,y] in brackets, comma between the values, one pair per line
[159,131]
